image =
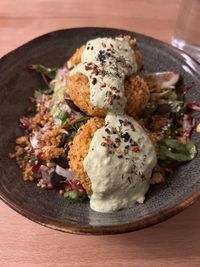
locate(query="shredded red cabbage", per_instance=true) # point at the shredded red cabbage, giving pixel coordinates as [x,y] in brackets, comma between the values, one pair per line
[73,184]
[25,122]
[188,124]
[193,106]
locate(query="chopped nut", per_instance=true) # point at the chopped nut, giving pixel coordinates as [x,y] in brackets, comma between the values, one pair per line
[157,178]
[23,140]
[198,128]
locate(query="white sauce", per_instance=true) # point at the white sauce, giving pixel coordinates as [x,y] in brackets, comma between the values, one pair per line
[106,62]
[119,163]
[121,156]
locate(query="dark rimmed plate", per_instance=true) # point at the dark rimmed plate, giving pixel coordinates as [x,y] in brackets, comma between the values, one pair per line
[49,208]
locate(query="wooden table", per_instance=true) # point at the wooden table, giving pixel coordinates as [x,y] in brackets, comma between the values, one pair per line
[23,243]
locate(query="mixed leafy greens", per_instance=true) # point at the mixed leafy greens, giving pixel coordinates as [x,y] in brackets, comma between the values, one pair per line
[167,117]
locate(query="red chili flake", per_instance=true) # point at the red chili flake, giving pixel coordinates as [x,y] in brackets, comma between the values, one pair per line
[95,71]
[88,67]
[136,149]
[103,85]
[94,81]
[125,123]
[103,144]
[110,99]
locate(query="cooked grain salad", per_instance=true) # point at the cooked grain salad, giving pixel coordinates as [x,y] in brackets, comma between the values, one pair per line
[96,107]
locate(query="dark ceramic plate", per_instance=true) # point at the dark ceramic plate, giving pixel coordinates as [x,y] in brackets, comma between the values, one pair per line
[48,208]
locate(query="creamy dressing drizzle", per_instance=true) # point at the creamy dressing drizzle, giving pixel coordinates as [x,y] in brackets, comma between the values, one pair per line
[106,62]
[121,156]
[119,163]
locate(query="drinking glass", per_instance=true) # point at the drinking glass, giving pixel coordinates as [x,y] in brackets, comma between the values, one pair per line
[187,32]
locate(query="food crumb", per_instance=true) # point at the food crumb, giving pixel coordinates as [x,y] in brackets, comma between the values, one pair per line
[157,178]
[198,128]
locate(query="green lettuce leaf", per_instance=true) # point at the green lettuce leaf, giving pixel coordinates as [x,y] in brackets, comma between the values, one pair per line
[48,72]
[173,150]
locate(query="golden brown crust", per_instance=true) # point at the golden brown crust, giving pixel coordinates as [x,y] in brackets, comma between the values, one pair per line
[137,94]
[78,89]
[79,150]
[136,91]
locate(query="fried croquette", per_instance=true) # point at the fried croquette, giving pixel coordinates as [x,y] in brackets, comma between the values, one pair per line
[79,150]
[78,89]
[136,91]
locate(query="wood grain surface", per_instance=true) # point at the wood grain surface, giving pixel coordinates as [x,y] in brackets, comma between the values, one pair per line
[23,243]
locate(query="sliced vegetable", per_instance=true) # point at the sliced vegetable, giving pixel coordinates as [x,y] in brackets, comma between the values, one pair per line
[64,172]
[193,106]
[188,124]
[170,95]
[46,91]
[165,79]
[48,72]
[75,195]
[174,150]
[56,110]
[78,123]
[58,96]
[62,115]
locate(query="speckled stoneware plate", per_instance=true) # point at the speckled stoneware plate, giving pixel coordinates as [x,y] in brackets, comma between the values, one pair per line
[49,208]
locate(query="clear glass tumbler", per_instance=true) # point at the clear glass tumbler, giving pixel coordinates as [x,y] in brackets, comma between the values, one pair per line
[187,32]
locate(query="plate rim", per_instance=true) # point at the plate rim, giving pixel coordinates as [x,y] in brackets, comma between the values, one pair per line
[105,230]
[101,230]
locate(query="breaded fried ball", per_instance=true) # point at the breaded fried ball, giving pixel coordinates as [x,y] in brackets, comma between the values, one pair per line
[79,150]
[136,91]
